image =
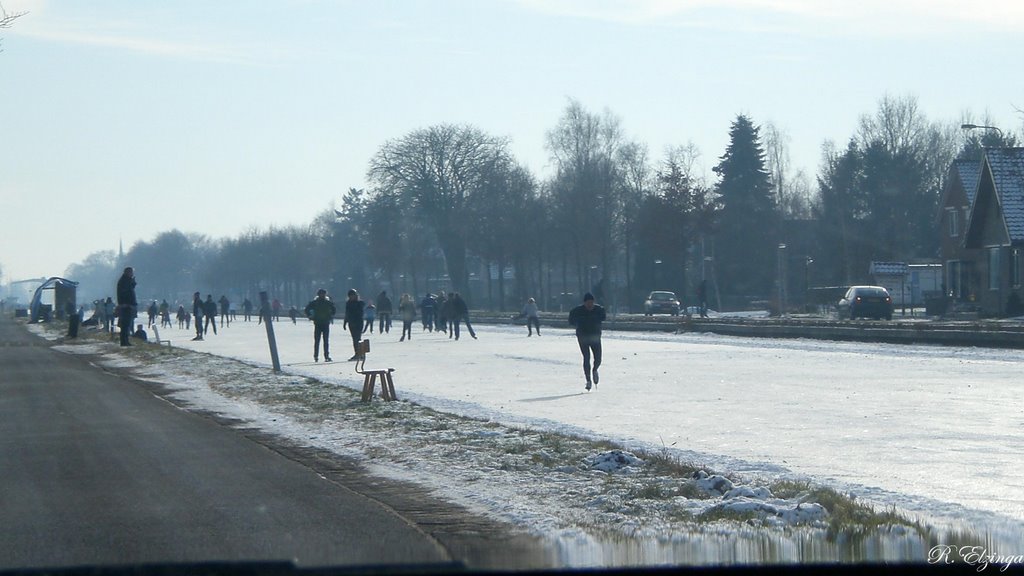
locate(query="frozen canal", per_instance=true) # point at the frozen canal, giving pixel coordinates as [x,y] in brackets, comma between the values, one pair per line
[936,431]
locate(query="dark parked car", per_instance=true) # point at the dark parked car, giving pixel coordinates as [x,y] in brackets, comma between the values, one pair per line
[661,302]
[865,302]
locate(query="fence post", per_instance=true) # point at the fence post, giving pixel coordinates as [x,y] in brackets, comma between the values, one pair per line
[268,316]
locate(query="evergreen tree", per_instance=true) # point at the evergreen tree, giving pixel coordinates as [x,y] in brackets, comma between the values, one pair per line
[746,241]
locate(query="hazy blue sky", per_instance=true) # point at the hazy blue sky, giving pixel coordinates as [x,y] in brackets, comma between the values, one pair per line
[120,119]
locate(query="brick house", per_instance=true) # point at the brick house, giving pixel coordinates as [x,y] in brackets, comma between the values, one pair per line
[987,267]
[954,213]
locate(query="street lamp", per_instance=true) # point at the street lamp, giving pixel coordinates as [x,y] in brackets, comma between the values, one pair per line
[782,279]
[807,282]
[980,127]
[657,267]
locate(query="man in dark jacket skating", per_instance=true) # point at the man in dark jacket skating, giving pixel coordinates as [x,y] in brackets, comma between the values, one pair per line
[321,311]
[587,318]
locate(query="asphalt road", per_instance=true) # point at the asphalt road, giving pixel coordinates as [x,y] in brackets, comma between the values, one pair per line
[97,470]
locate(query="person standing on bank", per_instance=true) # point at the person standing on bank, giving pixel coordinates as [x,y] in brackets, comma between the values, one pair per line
[354,320]
[127,305]
[321,311]
[587,318]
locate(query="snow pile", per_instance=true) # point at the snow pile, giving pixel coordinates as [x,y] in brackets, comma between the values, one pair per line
[615,461]
[713,484]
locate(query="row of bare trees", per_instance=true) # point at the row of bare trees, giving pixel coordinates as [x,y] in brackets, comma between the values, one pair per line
[450,208]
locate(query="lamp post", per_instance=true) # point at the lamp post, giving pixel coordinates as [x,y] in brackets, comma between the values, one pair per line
[980,127]
[782,279]
[807,282]
[657,269]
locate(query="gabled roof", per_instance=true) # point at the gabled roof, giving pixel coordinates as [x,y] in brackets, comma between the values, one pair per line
[969,172]
[1007,168]
[964,175]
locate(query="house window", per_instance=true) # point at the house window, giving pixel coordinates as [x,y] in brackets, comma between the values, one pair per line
[954,224]
[1015,267]
[993,268]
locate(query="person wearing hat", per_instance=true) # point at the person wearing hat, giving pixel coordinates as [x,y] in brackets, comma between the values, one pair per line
[587,318]
[321,311]
[354,320]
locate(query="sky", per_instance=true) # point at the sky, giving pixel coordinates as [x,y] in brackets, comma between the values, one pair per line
[866,419]
[122,119]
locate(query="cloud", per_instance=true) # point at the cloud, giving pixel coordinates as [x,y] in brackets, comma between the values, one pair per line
[166,48]
[43,22]
[869,17]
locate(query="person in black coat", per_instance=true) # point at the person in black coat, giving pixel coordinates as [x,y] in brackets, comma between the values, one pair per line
[210,314]
[127,305]
[384,312]
[427,312]
[587,318]
[354,320]
[321,311]
[459,313]
[197,314]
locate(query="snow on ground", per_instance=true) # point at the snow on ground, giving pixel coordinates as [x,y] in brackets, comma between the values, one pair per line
[936,432]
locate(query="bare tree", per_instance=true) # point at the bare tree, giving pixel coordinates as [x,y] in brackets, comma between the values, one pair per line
[436,170]
[636,185]
[584,147]
[7,18]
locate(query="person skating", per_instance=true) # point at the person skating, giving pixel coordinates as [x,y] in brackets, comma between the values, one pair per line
[354,320]
[427,312]
[370,314]
[459,314]
[587,318]
[127,305]
[321,311]
[440,306]
[225,310]
[197,314]
[165,314]
[210,314]
[152,311]
[407,310]
[532,315]
[384,312]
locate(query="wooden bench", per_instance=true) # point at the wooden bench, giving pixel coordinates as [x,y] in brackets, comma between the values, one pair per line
[387,383]
[156,337]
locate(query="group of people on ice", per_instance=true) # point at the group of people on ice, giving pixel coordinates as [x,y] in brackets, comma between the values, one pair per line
[443,312]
